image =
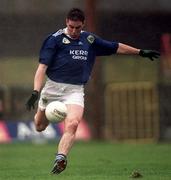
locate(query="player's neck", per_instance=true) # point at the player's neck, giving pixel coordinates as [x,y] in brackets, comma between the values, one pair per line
[67,34]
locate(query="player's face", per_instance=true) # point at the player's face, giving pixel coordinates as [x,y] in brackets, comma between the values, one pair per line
[74,28]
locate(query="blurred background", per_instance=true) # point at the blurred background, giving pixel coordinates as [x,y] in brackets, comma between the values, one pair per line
[127,98]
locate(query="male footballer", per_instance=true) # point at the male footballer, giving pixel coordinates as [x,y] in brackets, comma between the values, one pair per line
[66,59]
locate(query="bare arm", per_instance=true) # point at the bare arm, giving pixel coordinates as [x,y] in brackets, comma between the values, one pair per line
[39,77]
[125,49]
[38,82]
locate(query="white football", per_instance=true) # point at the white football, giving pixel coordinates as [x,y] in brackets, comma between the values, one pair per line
[56,111]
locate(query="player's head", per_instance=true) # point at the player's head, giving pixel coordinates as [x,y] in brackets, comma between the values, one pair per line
[75,22]
[76,14]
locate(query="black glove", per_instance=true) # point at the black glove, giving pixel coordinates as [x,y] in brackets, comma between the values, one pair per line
[31,101]
[149,54]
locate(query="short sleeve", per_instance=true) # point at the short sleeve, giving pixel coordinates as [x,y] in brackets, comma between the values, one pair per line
[103,47]
[47,50]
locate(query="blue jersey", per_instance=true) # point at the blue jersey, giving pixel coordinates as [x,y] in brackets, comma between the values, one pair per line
[71,60]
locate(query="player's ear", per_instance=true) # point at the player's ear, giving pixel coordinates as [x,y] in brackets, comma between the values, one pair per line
[83,24]
[66,21]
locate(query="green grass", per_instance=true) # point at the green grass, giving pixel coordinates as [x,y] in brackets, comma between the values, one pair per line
[87,161]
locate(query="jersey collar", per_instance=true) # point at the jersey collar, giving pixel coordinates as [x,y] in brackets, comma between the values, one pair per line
[65,31]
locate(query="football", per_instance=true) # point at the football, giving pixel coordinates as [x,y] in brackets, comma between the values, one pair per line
[56,111]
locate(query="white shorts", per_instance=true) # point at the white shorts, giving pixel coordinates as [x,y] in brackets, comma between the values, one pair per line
[67,93]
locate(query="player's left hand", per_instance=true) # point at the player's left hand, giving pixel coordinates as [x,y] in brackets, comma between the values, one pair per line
[151,54]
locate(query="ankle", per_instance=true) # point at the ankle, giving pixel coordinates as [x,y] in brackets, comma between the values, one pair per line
[61,155]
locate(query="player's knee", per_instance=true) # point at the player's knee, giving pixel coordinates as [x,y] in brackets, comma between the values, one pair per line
[39,125]
[72,125]
[40,128]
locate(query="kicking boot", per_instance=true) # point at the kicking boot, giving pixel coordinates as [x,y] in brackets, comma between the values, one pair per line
[59,164]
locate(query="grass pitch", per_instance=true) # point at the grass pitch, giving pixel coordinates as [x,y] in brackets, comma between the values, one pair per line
[87,161]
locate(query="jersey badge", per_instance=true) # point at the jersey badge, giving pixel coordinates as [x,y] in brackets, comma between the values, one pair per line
[90,39]
[65,41]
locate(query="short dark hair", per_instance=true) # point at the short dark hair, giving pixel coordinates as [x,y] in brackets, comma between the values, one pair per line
[76,14]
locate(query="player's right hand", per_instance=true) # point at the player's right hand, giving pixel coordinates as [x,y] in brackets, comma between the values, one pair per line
[32,100]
